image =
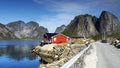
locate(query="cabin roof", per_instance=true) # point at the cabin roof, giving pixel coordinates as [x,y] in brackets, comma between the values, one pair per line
[50,34]
[60,34]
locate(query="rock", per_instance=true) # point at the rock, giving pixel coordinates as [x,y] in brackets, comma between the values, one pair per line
[64,55]
[82,26]
[30,30]
[55,52]
[22,30]
[51,52]
[87,26]
[109,23]
[60,29]
[42,66]
[5,33]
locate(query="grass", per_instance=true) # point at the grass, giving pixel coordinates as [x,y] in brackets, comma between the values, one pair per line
[97,37]
[81,41]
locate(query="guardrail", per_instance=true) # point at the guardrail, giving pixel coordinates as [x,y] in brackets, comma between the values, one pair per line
[75,58]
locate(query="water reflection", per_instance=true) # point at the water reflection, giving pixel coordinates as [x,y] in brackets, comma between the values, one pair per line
[17,52]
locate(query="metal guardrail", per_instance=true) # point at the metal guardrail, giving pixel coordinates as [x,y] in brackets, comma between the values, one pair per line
[75,58]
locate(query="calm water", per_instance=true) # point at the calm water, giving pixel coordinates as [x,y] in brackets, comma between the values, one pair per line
[16,54]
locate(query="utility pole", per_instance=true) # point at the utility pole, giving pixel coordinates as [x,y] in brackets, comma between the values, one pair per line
[104,35]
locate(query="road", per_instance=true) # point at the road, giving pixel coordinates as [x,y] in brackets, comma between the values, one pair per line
[108,56]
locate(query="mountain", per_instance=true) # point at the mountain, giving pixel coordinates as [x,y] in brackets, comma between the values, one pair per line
[82,26]
[5,33]
[60,29]
[90,26]
[30,30]
[109,23]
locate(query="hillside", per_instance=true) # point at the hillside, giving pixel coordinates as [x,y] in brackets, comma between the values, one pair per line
[22,30]
[91,26]
[60,29]
[5,33]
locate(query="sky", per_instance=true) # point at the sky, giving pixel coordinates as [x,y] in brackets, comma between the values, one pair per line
[53,13]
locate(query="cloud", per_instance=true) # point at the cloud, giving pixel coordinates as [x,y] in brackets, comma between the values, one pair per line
[51,22]
[69,7]
[63,6]
[105,4]
[78,6]
[63,11]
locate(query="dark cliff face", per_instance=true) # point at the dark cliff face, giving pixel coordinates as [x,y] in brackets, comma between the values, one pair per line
[82,26]
[109,23]
[60,29]
[30,30]
[5,33]
[88,26]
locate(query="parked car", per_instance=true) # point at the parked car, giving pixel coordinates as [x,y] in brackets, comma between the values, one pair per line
[116,43]
[104,41]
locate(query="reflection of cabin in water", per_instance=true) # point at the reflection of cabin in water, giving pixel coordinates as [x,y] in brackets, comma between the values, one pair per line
[55,38]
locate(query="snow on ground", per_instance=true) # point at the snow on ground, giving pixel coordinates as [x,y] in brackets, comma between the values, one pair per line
[91,59]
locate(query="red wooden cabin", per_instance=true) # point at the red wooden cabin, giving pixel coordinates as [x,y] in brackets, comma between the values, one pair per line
[60,38]
[55,38]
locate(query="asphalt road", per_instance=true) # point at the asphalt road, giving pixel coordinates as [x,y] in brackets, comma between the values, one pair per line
[108,56]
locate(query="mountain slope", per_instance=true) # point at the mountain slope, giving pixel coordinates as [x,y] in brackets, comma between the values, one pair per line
[91,26]
[109,23]
[5,33]
[60,29]
[82,26]
[30,30]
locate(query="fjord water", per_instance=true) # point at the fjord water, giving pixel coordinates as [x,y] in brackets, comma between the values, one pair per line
[17,54]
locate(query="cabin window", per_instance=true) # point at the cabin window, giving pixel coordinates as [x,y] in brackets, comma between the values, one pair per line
[54,39]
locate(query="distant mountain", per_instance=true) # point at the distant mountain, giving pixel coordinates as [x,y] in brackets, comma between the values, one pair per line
[30,30]
[60,29]
[5,33]
[90,26]
[81,26]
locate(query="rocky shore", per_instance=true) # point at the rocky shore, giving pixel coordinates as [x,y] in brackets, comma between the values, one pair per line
[81,62]
[57,54]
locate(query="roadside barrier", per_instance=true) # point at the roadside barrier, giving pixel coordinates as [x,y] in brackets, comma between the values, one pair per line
[75,58]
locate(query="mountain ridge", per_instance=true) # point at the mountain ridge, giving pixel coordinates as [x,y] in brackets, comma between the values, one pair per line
[89,26]
[84,26]
[60,29]
[22,30]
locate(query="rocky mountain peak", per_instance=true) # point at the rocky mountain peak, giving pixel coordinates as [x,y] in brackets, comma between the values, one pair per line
[1,25]
[109,23]
[28,30]
[81,26]
[5,33]
[60,29]
[33,23]
[88,25]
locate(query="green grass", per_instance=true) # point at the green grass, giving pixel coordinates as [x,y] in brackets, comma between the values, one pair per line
[115,35]
[97,37]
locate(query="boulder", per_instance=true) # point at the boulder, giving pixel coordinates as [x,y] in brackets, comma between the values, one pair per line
[54,52]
